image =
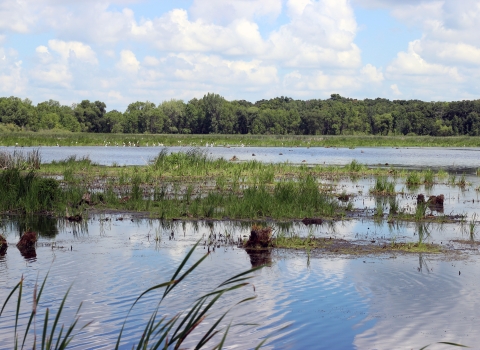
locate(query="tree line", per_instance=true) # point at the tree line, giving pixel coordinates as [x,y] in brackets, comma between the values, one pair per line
[336,115]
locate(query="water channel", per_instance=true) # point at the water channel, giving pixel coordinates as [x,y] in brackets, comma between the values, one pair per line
[303,299]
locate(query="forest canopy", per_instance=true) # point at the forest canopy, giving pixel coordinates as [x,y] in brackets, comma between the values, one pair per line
[213,114]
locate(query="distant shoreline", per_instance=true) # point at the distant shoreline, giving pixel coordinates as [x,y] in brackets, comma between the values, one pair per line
[30,138]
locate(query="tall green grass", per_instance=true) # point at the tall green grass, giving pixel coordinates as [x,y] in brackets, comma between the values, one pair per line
[158,332]
[27,193]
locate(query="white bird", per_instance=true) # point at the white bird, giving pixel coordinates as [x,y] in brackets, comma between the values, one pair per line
[3,58]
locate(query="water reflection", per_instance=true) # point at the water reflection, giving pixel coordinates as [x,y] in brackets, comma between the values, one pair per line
[45,226]
[329,301]
[259,257]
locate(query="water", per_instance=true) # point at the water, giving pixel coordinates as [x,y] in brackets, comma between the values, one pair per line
[315,300]
[322,301]
[457,159]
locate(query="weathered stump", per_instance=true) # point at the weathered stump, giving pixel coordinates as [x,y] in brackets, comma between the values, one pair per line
[3,245]
[260,237]
[27,241]
[26,245]
[420,199]
[436,200]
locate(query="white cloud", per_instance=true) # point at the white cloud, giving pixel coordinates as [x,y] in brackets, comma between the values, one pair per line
[73,49]
[411,64]
[128,62]
[12,80]
[395,90]
[320,81]
[151,61]
[215,69]
[225,11]
[320,33]
[372,74]
[115,95]
[53,74]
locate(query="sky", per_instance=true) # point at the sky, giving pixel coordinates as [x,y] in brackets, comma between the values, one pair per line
[122,51]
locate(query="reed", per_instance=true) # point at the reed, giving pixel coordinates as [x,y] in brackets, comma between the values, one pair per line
[20,160]
[27,193]
[158,332]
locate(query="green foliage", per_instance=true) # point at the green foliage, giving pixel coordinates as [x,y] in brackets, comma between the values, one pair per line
[212,114]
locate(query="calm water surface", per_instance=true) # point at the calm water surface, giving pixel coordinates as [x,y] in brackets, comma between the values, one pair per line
[324,302]
[459,159]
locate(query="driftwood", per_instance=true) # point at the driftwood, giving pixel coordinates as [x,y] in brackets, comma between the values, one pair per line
[260,237]
[312,221]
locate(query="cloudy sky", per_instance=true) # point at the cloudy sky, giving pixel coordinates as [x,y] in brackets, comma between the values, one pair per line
[122,51]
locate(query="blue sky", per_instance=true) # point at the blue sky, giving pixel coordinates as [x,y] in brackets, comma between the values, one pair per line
[123,51]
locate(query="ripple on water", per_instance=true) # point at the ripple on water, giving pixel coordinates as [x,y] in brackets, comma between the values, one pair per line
[321,302]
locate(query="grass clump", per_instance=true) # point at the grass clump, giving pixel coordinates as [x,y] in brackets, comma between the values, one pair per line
[355,167]
[413,178]
[27,193]
[428,177]
[383,186]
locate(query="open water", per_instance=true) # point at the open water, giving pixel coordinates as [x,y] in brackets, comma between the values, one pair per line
[321,301]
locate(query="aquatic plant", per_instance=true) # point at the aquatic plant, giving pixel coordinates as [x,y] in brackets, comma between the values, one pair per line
[383,186]
[428,177]
[355,167]
[394,205]
[420,211]
[413,178]
[442,174]
[159,332]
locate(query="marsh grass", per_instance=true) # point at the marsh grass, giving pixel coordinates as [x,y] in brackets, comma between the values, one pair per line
[383,186]
[413,178]
[428,177]
[20,160]
[420,211]
[442,174]
[43,138]
[27,193]
[159,332]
